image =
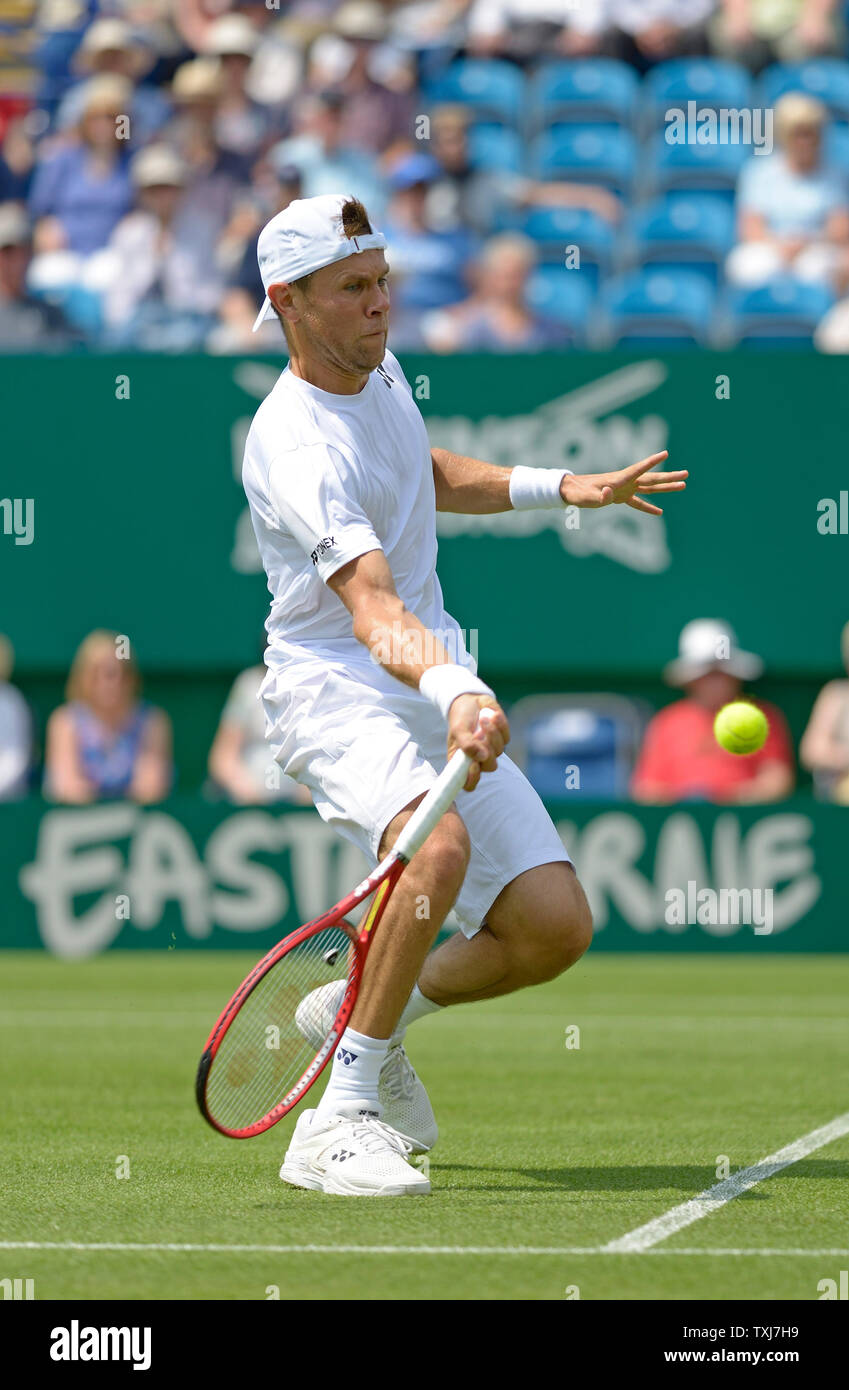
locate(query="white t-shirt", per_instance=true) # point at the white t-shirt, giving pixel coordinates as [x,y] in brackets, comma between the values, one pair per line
[15,742]
[329,478]
[245,712]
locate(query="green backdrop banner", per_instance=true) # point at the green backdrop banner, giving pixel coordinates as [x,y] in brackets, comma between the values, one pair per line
[187,875]
[121,506]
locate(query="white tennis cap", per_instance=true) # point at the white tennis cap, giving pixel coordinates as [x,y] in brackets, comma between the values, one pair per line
[306,236]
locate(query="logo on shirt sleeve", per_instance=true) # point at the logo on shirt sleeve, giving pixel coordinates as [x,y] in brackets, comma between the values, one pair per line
[385,375]
[326,543]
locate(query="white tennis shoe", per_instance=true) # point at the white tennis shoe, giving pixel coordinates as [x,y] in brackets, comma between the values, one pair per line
[352,1153]
[406,1105]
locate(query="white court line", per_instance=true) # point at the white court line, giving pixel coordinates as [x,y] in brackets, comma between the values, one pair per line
[640,1240]
[129,1248]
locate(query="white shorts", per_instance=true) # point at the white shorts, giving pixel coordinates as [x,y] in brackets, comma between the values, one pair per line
[365,753]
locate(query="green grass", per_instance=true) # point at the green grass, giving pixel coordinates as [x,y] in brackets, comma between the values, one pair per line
[682,1059]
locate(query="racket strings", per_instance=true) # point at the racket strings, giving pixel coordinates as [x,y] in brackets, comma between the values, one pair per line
[264,1053]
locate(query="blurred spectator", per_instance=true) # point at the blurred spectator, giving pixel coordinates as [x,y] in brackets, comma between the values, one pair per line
[518,29]
[215,176]
[26,323]
[320,149]
[110,46]
[496,317]
[422,25]
[793,207]
[240,762]
[824,749]
[280,184]
[159,268]
[80,192]
[430,264]
[376,81]
[106,743]
[680,759]
[17,161]
[241,124]
[240,303]
[757,32]
[195,18]
[463,195]
[15,731]
[639,32]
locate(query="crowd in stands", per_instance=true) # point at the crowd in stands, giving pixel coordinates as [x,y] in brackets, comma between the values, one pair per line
[106,742]
[143,143]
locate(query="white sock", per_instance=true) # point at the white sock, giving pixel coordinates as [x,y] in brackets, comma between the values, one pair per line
[355,1071]
[416,1007]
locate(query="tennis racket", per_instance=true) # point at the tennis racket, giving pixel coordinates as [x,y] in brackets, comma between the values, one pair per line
[258,1062]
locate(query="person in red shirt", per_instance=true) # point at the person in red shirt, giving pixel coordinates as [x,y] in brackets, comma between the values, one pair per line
[680,759]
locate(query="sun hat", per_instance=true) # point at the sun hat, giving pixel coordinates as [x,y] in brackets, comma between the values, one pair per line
[708,644]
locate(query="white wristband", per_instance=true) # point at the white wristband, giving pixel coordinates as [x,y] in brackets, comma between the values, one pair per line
[442,684]
[536,487]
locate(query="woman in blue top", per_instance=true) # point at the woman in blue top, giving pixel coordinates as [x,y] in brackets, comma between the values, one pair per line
[81,192]
[792,205]
[106,743]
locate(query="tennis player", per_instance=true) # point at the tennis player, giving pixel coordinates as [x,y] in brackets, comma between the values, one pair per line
[370,687]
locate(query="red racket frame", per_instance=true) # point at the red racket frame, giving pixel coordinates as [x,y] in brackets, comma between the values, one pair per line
[381,882]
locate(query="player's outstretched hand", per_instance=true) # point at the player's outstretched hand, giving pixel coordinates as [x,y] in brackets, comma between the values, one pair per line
[483,739]
[601,489]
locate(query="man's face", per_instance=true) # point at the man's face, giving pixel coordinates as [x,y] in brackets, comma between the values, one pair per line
[411,203]
[161,199]
[714,689]
[14,260]
[450,146]
[344,316]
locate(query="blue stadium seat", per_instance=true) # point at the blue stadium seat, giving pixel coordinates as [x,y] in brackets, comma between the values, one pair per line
[564,295]
[710,82]
[575,746]
[494,89]
[495,147]
[604,154]
[826,78]
[783,312]
[837,146]
[671,166]
[553,229]
[693,229]
[658,305]
[586,89]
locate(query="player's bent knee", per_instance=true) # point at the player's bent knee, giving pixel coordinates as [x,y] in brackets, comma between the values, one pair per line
[446,853]
[559,938]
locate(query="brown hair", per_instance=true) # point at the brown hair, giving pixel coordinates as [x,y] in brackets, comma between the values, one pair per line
[355,222]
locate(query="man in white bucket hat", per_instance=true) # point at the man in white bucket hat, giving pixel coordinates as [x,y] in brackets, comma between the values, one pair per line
[680,759]
[370,687]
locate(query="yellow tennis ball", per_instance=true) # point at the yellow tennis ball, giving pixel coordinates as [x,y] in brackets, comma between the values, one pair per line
[740,727]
